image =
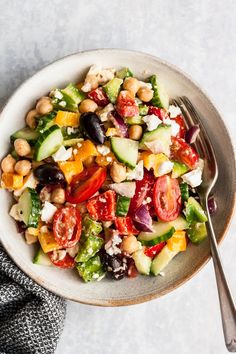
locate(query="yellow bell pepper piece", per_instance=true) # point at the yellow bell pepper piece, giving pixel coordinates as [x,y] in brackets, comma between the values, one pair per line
[153,161]
[48,242]
[67,119]
[12,181]
[70,169]
[104,161]
[111,132]
[177,242]
[86,149]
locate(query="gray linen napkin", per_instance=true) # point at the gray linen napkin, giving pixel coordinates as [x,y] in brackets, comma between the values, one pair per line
[31,318]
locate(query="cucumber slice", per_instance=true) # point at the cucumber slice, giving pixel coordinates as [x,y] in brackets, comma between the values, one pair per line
[184,189]
[74,93]
[42,258]
[112,89]
[162,260]
[194,211]
[180,223]
[48,143]
[122,205]
[197,232]
[46,122]
[142,262]
[143,109]
[29,207]
[162,135]
[178,169]
[125,150]
[123,73]
[134,120]
[26,133]
[160,96]
[162,231]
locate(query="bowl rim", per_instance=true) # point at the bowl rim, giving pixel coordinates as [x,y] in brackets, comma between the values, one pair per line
[139,298]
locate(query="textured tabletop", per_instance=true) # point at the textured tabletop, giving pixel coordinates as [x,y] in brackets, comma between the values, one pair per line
[197,36]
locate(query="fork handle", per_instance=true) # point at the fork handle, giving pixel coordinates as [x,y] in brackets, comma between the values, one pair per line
[227,307]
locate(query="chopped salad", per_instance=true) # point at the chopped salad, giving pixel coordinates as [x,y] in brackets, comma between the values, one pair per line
[103,177]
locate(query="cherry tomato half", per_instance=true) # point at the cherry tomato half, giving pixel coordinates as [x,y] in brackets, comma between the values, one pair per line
[184,153]
[67,226]
[126,105]
[85,185]
[66,262]
[167,198]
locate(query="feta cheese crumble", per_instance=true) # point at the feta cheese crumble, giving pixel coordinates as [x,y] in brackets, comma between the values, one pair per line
[104,113]
[62,154]
[145,84]
[31,182]
[58,94]
[157,147]
[111,246]
[152,121]
[137,173]
[165,167]
[174,111]
[193,178]
[103,150]
[174,126]
[48,212]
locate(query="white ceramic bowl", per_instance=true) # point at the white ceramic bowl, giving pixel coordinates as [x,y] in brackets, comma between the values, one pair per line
[66,283]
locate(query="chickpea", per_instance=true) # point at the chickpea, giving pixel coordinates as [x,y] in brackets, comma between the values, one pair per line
[8,164]
[135,132]
[145,94]
[44,105]
[30,238]
[30,118]
[92,80]
[118,172]
[89,161]
[23,167]
[58,196]
[22,147]
[88,105]
[131,84]
[130,244]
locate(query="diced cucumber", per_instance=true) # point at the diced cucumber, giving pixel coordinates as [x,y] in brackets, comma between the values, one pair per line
[180,223]
[42,258]
[162,135]
[178,169]
[91,270]
[45,122]
[74,93]
[194,211]
[90,247]
[184,189]
[162,231]
[143,109]
[134,120]
[123,73]
[197,232]
[71,142]
[162,260]
[142,262]
[26,133]
[125,150]
[48,143]
[160,96]
[112,89]
[29,207]
[122,205]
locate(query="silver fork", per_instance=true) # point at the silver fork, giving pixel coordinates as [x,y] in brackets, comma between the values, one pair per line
[210,174]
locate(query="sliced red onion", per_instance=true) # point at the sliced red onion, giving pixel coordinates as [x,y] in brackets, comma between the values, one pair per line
[119,124]
[191,134]
[142,219]
[212,205]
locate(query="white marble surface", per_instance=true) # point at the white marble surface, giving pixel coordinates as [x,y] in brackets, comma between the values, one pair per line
[199,37]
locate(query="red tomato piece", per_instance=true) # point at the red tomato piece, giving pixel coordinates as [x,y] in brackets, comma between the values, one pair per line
[184,153]
[126,105]
[159,112]
[154,250]
[182,129]
[125,226]
[167,198]
[86,184]
[67,226]
[66,262]
[99,96]
[143,190]
[103,206]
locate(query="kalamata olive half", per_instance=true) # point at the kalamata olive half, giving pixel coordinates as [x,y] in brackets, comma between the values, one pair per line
[49,174]
[92,127]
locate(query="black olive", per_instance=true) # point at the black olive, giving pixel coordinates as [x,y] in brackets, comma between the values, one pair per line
[49,174]
[92,127]
[116,266]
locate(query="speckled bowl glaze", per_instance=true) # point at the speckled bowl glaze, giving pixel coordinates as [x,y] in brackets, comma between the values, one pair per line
[67,283]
